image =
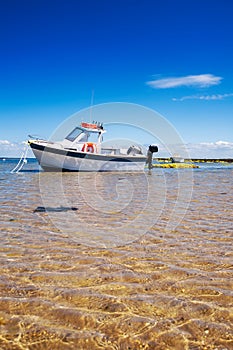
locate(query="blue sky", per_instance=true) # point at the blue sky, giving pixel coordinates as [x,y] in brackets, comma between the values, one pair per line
[172,56]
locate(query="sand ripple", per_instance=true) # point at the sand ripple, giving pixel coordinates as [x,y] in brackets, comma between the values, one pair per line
[167,290]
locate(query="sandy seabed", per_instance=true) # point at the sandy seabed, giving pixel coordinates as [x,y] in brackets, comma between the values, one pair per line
[165,290]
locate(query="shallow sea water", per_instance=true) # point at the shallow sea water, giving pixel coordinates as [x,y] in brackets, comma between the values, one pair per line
[100,278]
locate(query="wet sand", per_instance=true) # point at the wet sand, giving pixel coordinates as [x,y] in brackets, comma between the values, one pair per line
[166,290]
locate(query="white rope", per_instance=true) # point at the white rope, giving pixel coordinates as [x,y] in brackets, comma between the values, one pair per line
[22,161]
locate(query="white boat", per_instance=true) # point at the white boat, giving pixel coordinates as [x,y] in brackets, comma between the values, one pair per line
[177,159]
[83,150]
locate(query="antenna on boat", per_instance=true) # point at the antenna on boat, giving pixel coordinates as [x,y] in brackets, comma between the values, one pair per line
[92,101]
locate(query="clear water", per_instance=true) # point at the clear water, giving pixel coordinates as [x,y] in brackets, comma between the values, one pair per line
[145,262]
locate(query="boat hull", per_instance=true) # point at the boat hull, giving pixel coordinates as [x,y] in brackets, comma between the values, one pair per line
[51,158]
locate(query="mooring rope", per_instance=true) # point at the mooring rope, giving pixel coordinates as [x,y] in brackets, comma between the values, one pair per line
[22,161]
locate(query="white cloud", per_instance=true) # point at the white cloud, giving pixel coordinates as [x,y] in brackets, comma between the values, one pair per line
[4,142]
[211,150]
[218,149]
[201,80]
[224,144]
[204,97]
[12,149]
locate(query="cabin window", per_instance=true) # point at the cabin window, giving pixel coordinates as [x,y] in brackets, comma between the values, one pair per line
[74,134]
[80,135]
[83,137]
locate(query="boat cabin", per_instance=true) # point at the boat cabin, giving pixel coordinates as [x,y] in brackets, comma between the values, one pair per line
[85,138]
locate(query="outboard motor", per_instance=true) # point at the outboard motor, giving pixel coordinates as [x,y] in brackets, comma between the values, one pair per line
[152,149]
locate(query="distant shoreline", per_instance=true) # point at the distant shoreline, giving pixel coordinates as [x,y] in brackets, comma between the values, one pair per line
[15,158]
[200,160]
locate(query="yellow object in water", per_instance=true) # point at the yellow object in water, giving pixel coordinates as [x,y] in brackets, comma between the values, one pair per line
[175,165]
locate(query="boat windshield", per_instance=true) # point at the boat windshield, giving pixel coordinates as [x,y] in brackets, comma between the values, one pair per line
[75,133]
